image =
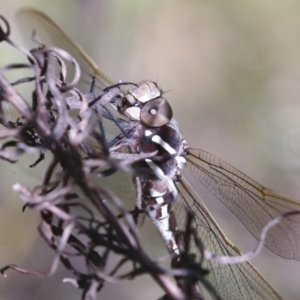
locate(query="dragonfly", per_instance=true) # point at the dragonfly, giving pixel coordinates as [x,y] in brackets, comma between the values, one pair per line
[253,204]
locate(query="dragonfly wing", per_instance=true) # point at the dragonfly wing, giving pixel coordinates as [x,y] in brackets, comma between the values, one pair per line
[52,35]
[252,203]
[240,281]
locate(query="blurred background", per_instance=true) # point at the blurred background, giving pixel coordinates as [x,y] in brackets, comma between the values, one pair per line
[232,72]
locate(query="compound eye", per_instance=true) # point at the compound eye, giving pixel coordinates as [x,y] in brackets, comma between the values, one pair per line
[156,113]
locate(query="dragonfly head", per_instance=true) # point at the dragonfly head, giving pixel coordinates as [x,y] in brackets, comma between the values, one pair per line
[143,103]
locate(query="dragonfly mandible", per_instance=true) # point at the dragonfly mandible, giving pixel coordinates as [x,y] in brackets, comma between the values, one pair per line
[253,204]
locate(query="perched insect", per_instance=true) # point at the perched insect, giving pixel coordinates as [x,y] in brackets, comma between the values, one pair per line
[167,191]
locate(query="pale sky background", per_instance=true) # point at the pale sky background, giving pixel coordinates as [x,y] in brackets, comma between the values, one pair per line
[232,70]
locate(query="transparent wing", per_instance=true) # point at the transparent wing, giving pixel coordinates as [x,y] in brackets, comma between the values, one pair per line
[252,203]
[235,282]
[52,35]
